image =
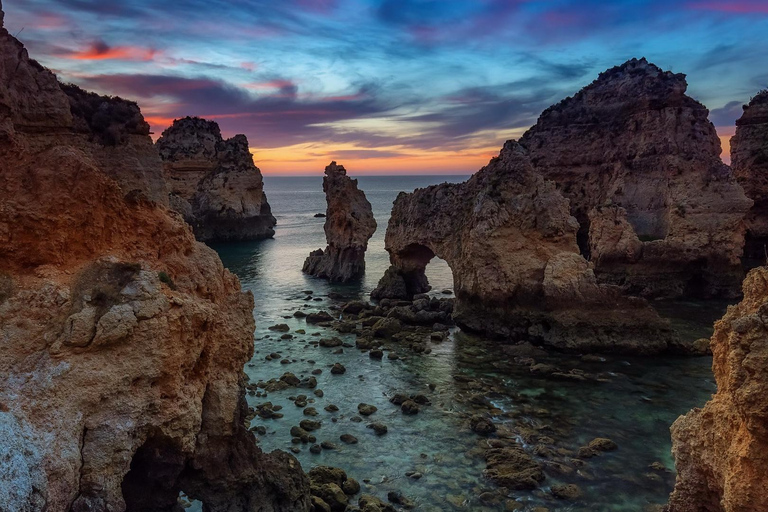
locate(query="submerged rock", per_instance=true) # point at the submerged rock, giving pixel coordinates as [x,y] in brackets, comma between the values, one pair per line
[123,338]
[658,211]
[510,240]
[214,183]
[348,227]
[749,161]
[721,450]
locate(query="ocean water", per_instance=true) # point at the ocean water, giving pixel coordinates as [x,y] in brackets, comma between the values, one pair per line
[632,401]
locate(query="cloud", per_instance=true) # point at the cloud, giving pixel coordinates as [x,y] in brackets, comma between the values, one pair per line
[732,6]
[727,114]
[99,50]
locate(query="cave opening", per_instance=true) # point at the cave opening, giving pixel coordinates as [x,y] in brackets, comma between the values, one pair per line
[152,483]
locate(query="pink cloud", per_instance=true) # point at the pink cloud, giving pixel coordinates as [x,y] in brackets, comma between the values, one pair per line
[99,50]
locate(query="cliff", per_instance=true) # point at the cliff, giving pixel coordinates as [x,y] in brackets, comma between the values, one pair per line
[659,213]
[349,224]
[749,161]
[122,339]
[721,451]
[510,241]
[214,183]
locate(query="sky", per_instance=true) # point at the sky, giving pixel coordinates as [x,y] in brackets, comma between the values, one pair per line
[386,86]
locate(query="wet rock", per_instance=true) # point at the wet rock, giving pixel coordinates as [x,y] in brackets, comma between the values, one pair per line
[397,498]
[310,411]
[319,317]
[348,439]
[596,446]
[338,369]
[566,491]
[481,425]
[409,407]
[350,487]
[310,425]
[315,449]
[280,328]
[513,468]
[376,354]
[318,505]
[379,428]
[331,408]
[366,409]
[330,342]
[355,307]
[320,475]
[327,445]
[387,327]
[369,503]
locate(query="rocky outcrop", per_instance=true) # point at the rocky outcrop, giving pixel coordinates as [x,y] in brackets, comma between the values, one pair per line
[721,451]
[214,183]
[659,212]
[349,224]
[749,161]
[122,339]
[510,241]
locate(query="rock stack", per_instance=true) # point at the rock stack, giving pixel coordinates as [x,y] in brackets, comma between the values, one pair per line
[214,183]
[123,339]
[659,213]
[349,224]
[749,161]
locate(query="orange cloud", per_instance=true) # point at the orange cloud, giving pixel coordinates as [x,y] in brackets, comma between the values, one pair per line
[99,50]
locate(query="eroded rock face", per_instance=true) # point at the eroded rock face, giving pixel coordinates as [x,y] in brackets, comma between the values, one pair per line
[659,213]
[510,241]
[349,224]
[122,339]
[721,451]
[749,161]
[214,183]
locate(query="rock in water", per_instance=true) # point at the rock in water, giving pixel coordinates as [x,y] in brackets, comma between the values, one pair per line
[123,339]
[349,224]
[659,212]
[510,241]
[721,451]
[214,183]
[749,161]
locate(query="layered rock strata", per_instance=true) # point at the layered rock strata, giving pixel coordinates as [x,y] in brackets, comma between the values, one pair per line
[721,450]
[510,241]
[349,224]
[122,339]
[214,183]
[659,213]
[749,161]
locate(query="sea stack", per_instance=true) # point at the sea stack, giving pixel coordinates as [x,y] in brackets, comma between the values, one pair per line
[214,183]
[721,451]
[510,241]
[349,224]
[749,161]
[122,339]
[659,213]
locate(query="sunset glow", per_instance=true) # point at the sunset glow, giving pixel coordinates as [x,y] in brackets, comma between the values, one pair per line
[385,86]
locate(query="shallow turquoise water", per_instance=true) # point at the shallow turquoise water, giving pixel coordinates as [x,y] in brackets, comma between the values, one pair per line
[633,403]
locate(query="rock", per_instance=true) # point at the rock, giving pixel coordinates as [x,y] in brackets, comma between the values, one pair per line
[350,487]
[310,411]
[331,342]
[481,425]
[123,338]
[510,240]
[566,491]
[368,503]
[338,369]
[310,425]
[596,446]
[354,307]
[513,468]
[348,439]
[366,409]
[720,449]
[331,408]
[379,428]
[397,498]
[320,475]
[376,354]
[387,327]
[327,445]
[280,328]
[318,505]
[749,161]
[348,227]
[639,161]
[409,408]
[213,182]
[319,317]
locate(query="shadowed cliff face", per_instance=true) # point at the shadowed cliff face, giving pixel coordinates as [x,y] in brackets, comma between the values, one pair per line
[214,183]
[749,161]
[122,339]
[510,241]
[349,224]
[659,213]
[721,451]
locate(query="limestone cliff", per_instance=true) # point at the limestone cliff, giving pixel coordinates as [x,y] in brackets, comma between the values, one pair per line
[749,161]
[659,213]
[122,339]
[510,241]
[349,224]
[721,451]
[214,183]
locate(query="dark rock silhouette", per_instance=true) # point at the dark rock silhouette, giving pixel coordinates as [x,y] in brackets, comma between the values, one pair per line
[349,224]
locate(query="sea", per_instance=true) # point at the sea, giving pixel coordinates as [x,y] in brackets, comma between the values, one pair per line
[432,458]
